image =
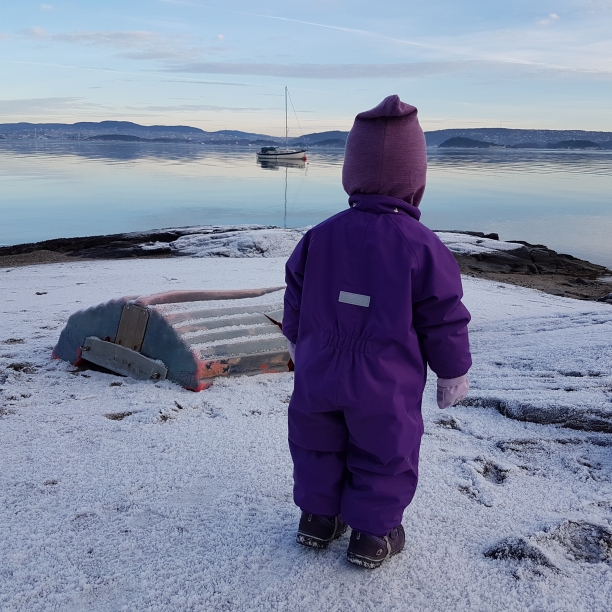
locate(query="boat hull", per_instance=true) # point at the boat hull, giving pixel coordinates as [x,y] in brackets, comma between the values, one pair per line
[278,155]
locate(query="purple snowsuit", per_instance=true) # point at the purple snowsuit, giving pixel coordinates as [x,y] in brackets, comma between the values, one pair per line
[372,297]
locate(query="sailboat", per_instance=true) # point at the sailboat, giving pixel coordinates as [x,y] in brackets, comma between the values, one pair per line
[276,153]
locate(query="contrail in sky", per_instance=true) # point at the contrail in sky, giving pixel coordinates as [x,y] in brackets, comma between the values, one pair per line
[310,23]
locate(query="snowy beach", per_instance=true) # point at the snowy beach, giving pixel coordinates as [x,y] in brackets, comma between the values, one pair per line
[117,494]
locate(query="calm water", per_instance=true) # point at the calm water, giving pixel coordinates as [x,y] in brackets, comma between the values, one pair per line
[51,190]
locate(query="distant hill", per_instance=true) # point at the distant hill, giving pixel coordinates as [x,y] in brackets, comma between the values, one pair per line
[262,142]
[100,127]
[318,137]
[85,130]
[120,137]
[104,130]
[334,143]
[575,144]
[513,138]
[466,143]
[130,138]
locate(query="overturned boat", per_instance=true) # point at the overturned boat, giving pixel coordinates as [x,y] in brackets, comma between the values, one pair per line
[179,336]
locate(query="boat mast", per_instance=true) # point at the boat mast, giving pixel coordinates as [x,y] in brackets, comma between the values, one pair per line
[286,125]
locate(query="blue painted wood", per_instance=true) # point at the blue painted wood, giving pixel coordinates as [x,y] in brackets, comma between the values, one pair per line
[101,321]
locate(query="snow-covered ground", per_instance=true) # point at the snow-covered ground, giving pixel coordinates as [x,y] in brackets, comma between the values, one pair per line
[124,495]
[464,244]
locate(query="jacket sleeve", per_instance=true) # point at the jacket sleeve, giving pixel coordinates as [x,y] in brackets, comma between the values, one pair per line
[294,277]
[440,318]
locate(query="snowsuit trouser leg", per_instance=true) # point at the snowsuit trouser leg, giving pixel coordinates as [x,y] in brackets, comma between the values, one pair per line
[375,495]
[318,480]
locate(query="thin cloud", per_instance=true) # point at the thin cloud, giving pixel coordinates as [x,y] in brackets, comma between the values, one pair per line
[71,67]
[158,55]
[46,7]
[194,82]
[35,33]
[550,19]
[4,36]
[314,71]
[345,71]
[598,5]
[565,49]
[186,108]
[123,39]
[45,106]
[116,39]
[132,44]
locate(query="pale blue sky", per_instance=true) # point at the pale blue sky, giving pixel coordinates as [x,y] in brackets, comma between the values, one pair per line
[216,65]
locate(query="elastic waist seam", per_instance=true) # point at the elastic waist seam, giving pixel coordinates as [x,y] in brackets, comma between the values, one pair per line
[348,343]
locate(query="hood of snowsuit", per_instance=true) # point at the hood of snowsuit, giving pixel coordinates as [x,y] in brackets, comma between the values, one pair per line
[386,153]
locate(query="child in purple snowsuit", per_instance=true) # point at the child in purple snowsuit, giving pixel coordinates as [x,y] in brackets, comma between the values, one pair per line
[372,298]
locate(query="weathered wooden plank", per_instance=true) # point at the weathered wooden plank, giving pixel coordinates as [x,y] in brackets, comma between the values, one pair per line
[251,319]
[260,363]
[174,318]
[228,334]
[249,347]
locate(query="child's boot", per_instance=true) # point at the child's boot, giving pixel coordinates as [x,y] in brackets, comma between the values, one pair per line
[369,551]
[318,531]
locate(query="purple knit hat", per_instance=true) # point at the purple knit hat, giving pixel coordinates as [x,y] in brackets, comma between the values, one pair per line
[386,153]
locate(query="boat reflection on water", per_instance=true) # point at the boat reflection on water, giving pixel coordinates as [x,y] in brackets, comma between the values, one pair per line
[275,164]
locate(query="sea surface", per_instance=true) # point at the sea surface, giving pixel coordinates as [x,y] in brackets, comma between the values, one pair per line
[562,199]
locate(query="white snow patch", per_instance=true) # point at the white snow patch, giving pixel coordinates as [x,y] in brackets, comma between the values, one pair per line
[152,246]
[464,244]
[250,243]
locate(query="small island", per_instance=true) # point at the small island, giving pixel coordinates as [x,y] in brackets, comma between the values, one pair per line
[460,142]
[584,145]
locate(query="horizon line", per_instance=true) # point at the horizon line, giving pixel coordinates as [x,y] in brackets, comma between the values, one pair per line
[161,125]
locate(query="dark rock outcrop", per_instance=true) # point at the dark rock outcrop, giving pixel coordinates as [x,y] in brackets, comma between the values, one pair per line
[568,416]
[153,243]
[529,259]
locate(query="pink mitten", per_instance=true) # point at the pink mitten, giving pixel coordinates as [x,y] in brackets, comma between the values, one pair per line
[291,348]
[452,390]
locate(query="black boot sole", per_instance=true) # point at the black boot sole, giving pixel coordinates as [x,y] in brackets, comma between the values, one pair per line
[311,542]
[366,562]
